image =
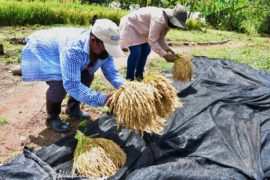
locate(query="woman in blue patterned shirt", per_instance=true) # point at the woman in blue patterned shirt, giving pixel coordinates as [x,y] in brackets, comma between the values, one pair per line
[67,58]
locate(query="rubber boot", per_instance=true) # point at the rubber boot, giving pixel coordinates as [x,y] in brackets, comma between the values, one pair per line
[53,121]
[73,109]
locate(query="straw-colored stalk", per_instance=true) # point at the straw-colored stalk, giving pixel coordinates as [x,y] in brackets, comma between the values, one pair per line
[97,157]
[166,95]
[134,107]
[182,69]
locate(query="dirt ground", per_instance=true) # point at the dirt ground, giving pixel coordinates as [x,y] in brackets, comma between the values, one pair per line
[23,106]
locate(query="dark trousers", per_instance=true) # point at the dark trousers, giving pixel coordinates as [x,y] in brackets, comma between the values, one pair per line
[56,91]
[136,61]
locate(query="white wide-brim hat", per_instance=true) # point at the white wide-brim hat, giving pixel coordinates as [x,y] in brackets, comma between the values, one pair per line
[177,16]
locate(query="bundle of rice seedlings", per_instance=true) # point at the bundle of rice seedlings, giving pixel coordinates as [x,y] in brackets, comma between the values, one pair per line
[166,94]
[134,107]
[97,157]
[182,69]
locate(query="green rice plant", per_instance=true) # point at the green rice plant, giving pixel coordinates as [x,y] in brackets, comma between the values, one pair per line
[14,13]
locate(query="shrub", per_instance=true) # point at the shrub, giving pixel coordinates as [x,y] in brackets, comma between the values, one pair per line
[195,25]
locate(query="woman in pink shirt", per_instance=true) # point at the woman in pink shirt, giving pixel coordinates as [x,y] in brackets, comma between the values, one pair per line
[145,29]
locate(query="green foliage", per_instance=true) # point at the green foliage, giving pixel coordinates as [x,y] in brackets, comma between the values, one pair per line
[3,121]
[250,26]
[195,25]
[239,15]
[265,24]
[13,13]
[83,123]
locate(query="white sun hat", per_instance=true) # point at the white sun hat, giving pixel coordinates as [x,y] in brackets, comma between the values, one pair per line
[108,32]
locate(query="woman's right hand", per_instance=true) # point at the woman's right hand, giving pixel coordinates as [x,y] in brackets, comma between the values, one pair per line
[169,57]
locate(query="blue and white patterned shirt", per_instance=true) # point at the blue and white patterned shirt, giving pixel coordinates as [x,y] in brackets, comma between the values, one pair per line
[61,54]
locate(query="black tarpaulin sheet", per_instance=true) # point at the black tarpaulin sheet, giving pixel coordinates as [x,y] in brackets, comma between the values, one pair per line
[222,132]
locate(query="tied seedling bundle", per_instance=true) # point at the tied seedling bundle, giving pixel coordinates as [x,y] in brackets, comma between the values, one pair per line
[134,105]
[166,95]
[182,68]
[97,157]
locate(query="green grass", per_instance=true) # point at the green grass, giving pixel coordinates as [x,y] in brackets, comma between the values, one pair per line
[208,36]
[12,53]
[157,65]
[3,121]
[100,84]
[257,57]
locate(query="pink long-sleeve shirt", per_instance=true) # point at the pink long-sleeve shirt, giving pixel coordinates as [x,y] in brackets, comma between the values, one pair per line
[146,25]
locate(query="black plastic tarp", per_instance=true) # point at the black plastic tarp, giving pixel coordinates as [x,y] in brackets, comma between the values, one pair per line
[222,132]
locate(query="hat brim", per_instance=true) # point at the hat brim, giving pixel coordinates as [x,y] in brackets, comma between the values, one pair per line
[173,20]
[113,50]
[177,23]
